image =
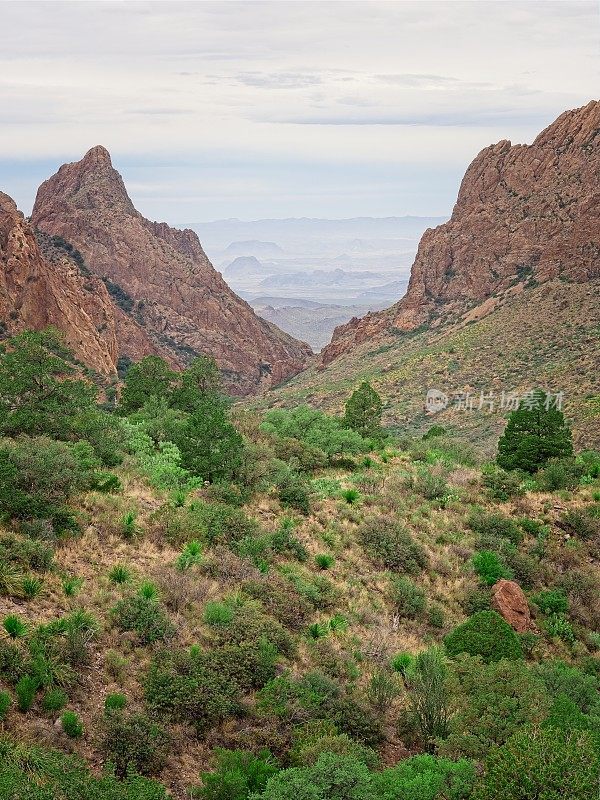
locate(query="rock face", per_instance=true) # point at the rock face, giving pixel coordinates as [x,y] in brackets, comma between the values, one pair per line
[162,280]
[510,602]
[523,212]
[36,292]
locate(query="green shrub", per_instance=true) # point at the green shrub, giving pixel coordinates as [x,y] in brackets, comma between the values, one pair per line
[133,743]
[351,496]
[216,613]
[560,473]
[238,775]
[436,616]
[145,617]
[55,699]
[478,599]
[558,625]
[502,485]
[401,662]
[129,527]
[71,586]
[487,635]
[430,486]
[324,561]
[493,526]
[190,556]
[119,574]
[390,544]
[26,690]
[32,587]
[408,599]
[148,590]
[542,764]
[382,689]
[115,702]
[293,491]
[14,626]
[5,704]
[489,567]
[552,601]
[71,724]
[580,523]
[317,630]
[280,599]
[425,777]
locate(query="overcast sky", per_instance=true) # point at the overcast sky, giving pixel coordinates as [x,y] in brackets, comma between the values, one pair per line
[323,109]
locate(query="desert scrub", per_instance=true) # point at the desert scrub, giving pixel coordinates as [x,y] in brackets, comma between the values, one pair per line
[145,617]
[391,545]
[407,599]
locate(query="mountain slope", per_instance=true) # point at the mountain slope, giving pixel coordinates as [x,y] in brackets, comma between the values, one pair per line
[523,210]
[183,304]
[36,292]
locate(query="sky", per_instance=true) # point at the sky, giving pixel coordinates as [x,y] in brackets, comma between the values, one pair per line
[284,109]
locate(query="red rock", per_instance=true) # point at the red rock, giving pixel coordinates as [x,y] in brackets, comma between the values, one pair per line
[522,211]
[36,293]
[183,306]
[510,602]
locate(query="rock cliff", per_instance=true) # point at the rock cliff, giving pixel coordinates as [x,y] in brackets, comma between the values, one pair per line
[523,213]
[36,292]
[162,280]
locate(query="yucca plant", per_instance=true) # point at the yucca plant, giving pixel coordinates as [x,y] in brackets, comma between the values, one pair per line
[148,590]
[324,561]
[190,555]
[317,630]
[128,524]
[14,626]
[32,586]
[11,580]
[71,586]
[71,724]
[350,496]
[338,623]
[119,574]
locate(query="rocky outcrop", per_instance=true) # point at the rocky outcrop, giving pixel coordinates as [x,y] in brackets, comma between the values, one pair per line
[170,289]
[523,212]
[510,602]
[36,292]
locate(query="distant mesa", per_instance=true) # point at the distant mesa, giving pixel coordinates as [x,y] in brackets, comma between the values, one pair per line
[254,247]
[393,289]
[335,277]
[243,266]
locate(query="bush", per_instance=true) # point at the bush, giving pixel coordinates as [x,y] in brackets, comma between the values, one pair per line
[115,702]
[408,599]
[428,694]
[238,774]
[581,524]
[5,704]
[134,743]
[216,613]
[490,703]
[502,485]
[55,699]
[551,601]
[26,690]
[489,567]
[333,777]
[388,543]
[495,526]
[314,428]
[119,574]
[71,724]
[487,635]
[538,764]
[558,625]
[145,617]
[293,491]
[280,599]
[401,662]
[382,689]
[560,473]
[425,777]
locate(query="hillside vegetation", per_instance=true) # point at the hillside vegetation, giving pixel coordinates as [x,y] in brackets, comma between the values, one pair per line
[200,601]
[535,335]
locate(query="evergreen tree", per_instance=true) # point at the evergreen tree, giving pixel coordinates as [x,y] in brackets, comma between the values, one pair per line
[150,377]
[535,433]
[363,411]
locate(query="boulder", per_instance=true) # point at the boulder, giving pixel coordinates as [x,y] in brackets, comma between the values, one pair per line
[510,602]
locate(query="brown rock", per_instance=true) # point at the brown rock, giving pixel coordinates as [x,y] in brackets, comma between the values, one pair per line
[182,303]
[510,602]
[523,211]
[36,292]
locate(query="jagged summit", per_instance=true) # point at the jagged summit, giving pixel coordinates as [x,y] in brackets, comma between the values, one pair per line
[523,212]
[174,293]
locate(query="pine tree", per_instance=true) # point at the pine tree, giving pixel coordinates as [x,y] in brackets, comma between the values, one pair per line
[363,412]
[535,433]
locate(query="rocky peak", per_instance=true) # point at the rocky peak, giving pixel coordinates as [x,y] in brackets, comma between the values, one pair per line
[178,298]
[523,213]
